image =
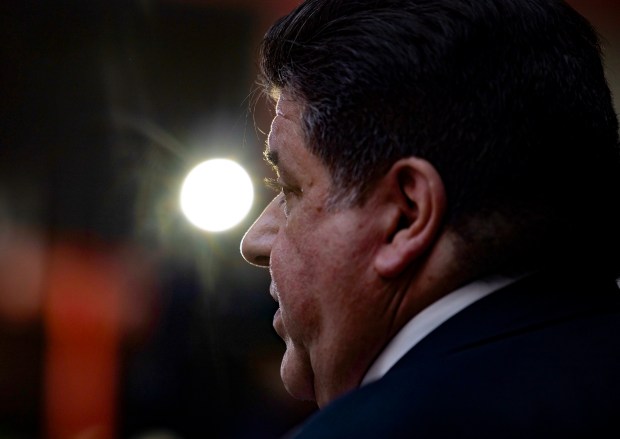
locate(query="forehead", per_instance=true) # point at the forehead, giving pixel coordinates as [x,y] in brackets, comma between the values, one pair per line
[285,132]
[287,151]
[287,120]
[288,108]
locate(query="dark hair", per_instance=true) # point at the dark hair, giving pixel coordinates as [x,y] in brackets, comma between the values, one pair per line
[506,98]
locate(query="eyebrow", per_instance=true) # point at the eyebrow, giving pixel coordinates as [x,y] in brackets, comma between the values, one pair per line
[271,157]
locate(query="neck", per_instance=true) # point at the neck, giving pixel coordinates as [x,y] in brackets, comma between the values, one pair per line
[437,275]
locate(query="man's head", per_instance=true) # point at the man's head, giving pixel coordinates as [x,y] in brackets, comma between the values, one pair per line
[421,143]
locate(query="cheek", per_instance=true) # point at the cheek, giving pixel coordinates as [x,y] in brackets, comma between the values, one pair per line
[300,318]
[303,277]
[296,282]
[314,265]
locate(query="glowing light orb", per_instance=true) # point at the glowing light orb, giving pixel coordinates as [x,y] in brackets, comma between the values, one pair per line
[216,195]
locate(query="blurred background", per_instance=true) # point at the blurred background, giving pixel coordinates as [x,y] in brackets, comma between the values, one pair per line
[118,317]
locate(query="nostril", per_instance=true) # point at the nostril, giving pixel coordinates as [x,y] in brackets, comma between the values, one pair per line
[254,250]
[263,261]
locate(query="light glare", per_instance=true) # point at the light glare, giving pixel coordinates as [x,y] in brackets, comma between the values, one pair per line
[216,195]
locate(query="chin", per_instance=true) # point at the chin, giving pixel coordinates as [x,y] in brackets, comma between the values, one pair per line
[297,377]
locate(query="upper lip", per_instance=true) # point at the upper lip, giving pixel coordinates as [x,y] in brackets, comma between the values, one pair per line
[273,293]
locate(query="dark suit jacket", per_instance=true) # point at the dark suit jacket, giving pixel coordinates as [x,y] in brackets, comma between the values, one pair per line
[537,359]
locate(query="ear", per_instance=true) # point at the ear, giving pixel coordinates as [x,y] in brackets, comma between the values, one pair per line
[416,202]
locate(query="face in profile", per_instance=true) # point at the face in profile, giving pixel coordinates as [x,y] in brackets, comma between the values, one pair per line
[331,309]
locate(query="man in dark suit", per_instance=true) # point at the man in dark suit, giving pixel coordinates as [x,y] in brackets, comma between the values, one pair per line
[444,244]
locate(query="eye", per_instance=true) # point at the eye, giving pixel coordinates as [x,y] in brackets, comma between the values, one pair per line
[273,184]
[285,192]
[278,186]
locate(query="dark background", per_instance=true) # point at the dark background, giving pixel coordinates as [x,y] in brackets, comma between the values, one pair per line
[117,317]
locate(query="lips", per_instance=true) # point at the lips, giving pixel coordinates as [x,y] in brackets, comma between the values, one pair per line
[277,317]
[277,323]
[272,292]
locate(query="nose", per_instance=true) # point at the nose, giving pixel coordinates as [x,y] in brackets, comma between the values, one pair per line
[258,240]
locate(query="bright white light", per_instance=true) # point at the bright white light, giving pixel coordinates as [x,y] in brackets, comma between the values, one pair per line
[216,195]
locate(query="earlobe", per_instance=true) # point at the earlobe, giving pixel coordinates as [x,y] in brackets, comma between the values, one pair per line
[416,205]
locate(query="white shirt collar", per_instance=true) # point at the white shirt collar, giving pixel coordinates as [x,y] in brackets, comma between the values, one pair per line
[430,318]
